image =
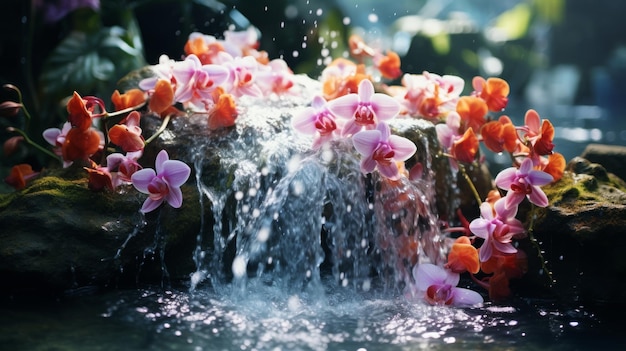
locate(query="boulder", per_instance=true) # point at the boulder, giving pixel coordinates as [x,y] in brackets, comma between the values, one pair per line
[581,237]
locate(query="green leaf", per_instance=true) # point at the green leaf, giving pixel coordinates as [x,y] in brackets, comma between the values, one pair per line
[91,64]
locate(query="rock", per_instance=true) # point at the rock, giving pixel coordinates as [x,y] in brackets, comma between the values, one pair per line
[611,157]
[582,235]
[59,237]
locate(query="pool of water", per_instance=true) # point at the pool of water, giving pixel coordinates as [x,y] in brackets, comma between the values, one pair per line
[264,317]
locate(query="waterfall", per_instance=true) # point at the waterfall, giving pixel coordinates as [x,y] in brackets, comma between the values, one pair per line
[285,215]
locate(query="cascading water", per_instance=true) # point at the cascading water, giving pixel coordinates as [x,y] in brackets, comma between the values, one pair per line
[286,215]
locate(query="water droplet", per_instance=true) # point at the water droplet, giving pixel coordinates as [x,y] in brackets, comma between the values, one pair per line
[252,192]
[256,213]
[263,234]
[372,17]
[346,21]
[319,12]
[239,266]
[282,24]
[239,195]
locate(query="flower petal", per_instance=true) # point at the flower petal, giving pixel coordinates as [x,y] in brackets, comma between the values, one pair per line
[466,297]
[51,134]
[538,197]
[162,156]
[366,90]
[344,106]
[480,227]
[150,205]
[389,170]
[384,106]
[366,141]
[505,178]
[141,179]
[539,178]
[174,197]
[304,122]
[402,147]
[427,274]
[175,172]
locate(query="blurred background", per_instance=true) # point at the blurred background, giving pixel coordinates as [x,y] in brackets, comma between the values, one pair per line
[564,58]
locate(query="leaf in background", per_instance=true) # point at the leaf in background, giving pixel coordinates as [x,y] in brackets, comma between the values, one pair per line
[91,63]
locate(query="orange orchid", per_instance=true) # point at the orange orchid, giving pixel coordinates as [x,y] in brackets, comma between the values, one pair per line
[513,265]
[494,91]
[543,145]
[555,166]
[224,112]
[429,106]
[389,65]
[205,50]
[472,111]
[99,178]
[463,257]
[162,98]
[127,135]
[465,148]
[342,77]
[19,175]
[79,117]
[80,144]
[359,49]
[499,135]
[131,98]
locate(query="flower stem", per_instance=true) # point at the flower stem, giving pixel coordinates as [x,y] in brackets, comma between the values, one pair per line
[166,120]
[470,183]
[34,144]
[536,246]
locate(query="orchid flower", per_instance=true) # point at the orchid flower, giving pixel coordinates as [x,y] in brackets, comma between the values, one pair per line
[127,134]
[430,95]
[162,185]
[20,175]
[497,226]
[206,47]
[195,81]
[243,72]
[275,77]
[523,182]
[122,167]
[56,137]
[316,119]
[366,109]
[494,91]
[437,286]
[382,150]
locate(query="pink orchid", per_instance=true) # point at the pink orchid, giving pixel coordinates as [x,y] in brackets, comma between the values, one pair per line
[365,109]
[497,226]
[316,119]
[431,95]
[122,167]
[242,78]
[195,81]
[56,136]
[437,286]
[162,70]
[523,182]
[275,77]
[162,185]
[382,150]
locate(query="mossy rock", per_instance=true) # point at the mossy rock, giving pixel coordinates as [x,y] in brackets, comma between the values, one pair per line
[58,236]
[581,235]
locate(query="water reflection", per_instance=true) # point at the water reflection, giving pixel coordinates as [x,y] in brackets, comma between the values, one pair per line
[266,318]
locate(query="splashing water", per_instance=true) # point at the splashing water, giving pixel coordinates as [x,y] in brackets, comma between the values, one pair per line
[286,215]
